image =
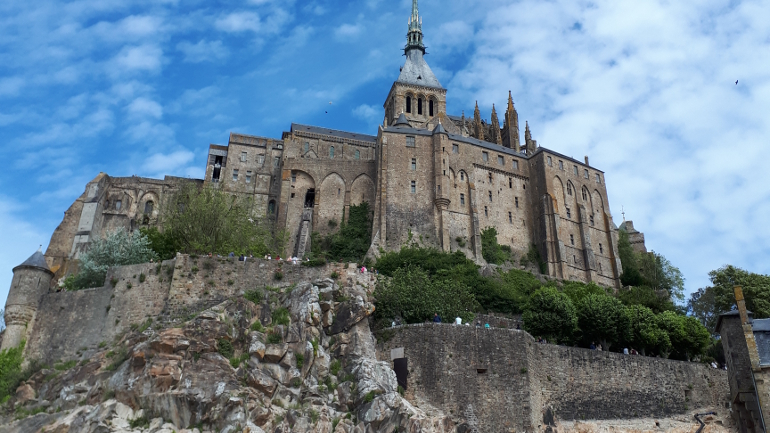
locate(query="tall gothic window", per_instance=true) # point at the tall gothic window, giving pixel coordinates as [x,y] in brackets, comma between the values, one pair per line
[430,107]
[408,104]
[419,105]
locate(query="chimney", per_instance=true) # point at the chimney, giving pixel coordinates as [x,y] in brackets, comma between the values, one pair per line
[587,160]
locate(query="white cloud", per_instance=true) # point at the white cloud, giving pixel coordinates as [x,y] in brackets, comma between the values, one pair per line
[145,107]
[369,113]
[176,162]
[141,58]
[347,31]
[203,51]
[238,22]
[11,86]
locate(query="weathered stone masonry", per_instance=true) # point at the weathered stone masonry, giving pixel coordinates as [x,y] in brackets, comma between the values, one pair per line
[507,380]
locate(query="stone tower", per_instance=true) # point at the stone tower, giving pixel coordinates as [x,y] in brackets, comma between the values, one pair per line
[417,93]
[31,280]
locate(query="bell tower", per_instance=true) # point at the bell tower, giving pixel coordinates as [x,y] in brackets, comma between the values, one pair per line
[417,92]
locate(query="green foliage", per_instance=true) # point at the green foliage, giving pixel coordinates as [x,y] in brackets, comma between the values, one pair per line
[61,366]
[412,295]
[10,370]
[281,316]
[120,357]
[550,314]
[533,256]
[647,297]
[142,277]
[257,326]
[646,336]
[139,423]
[672,324]
[274,338]
[254,296]
[369,397]
[300,360]
[278,276]
[630,275]
[350,243]
[335,367]
[313,261]
[660,275]
[708,303]
[236,361]
[209,220]
[604,319]
[490,249]
[225,347]
[118,248]
[164,243]
[314,343]
[335,275]
[577,291]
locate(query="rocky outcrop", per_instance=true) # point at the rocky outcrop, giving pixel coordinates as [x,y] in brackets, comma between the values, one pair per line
[230,368]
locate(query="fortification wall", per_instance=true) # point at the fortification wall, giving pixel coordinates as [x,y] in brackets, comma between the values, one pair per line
[506,381]
[69,322]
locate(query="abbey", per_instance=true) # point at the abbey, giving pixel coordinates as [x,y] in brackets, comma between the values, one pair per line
[428,176]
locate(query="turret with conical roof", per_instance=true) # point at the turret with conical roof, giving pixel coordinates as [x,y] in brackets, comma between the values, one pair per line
[31,280]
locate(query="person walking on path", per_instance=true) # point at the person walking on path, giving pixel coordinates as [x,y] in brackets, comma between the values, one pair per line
[436,318]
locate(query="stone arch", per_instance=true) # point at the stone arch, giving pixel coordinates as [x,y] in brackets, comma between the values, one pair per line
[432,106]
[409,102]
[331,203]
[362,190]
[597,206]
[559,197]
[148,208]
[420,105]
[463,176]
[452,178]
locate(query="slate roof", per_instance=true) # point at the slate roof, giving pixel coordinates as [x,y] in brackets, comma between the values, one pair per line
[761,328]
[36,260]
[417,72]
[296,127]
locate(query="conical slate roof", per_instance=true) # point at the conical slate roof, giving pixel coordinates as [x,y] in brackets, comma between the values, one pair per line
[36,260]
[417,72]
[439,129]
[401,120]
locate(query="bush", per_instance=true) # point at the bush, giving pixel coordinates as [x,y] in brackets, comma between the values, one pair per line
[274,338]
[118,248]
[491,250]
[550,314]
[300,359]
[335,367]
[142,277]
[225,347]
[278,275]
[254,296]
[257,326]
[281,316]
[10,370]
[351,242]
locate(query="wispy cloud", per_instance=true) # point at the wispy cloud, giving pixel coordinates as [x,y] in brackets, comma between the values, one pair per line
[203,51]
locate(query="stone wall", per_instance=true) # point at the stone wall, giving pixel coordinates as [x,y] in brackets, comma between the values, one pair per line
[68,322]
[507,381]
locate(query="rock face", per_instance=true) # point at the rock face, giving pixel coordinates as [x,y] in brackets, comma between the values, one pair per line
[229,368]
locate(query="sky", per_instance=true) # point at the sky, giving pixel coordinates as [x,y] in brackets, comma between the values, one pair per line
[646,89]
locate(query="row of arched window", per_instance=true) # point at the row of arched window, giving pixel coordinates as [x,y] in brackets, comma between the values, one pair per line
[419,102]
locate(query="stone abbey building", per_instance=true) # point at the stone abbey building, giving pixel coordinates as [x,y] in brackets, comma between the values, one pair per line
[427,175]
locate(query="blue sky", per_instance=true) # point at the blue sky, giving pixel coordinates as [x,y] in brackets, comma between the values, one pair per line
[645,89]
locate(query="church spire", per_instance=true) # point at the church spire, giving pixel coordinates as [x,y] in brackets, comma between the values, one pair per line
[511,126]
[495,128]
[478,128]
[414,36]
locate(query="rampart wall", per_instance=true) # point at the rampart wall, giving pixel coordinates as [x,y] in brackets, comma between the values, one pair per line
[71,322]
[507,381]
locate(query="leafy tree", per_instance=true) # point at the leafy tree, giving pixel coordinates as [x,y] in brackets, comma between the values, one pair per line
[604,319]
[118,248]
[660,275]
[550,314]
[696,339]
[657,302]
[708,303]
[206,219]
[630,275]
[414,296]
[577,291]
[164,243]
[491,250]
[646,336]
[673,325]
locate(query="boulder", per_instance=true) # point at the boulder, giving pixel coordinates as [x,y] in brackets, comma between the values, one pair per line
[262,382]
[24,393]
[275,352]
[349,313]
[257,347]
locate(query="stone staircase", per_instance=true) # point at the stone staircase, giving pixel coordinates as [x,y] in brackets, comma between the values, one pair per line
[304,232]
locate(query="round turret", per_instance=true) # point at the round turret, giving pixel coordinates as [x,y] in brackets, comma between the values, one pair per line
[31,280]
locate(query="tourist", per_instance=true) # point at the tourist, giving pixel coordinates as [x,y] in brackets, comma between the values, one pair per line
[486,326]
[625,351]
[592,346]
[232,254]
[458,320]
[269,257]
[599,347]
[436,318]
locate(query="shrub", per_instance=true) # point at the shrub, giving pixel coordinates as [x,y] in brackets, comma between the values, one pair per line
[300,360]
[113,281]
[281,316]
[369,397]
[119,358]
[551,314]
[257,326]
[314,262]
[335,367]
[314,343]
[278,275]
[274,338]
[254,296]
[142,277]
[117,248]
[225,347]
[335,275]
[490,249]
[10,371]
[138,423]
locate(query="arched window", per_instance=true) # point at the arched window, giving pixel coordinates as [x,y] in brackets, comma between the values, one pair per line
[358,154]
[430,107]
[462,176]
[419,106]
[585,195]
[271,207]
[331,152]
[569,189]
[408,104]
[148,207]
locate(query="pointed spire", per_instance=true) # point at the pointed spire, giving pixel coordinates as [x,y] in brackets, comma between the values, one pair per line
[414,35]
[495,128]
[478,128]
[528,142]
[511,126]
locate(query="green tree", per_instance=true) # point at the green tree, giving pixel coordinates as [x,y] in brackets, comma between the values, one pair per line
[206,219]
[164,243]
[630,275]
[708,303]
[646,336]
[414,296]
[673,325]
[118,248]
[10,371]
[491,250]
[550,314]
[660,275]
[696,339]
[577,291]
[604,319]
[353,239]
[643,295]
